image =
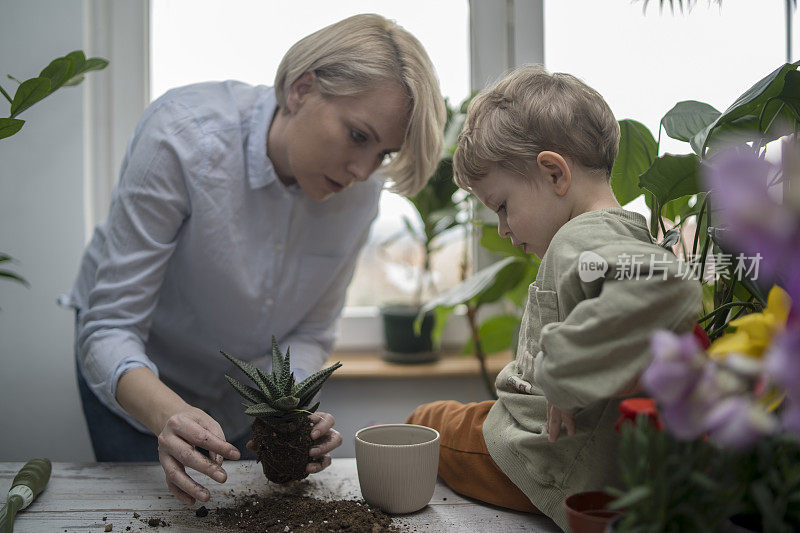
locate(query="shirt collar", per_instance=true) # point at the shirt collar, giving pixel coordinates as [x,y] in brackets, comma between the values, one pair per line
[260,171]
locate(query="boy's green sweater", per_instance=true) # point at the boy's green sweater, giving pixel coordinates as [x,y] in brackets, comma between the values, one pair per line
[583,342]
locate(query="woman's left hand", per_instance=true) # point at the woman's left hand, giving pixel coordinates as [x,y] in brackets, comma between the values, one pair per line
[326,439]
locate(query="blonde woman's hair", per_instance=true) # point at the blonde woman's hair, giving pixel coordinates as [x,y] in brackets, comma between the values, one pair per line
[353,55]
[530,111]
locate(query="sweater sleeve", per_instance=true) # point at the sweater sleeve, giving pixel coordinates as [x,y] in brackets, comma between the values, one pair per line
[602,345]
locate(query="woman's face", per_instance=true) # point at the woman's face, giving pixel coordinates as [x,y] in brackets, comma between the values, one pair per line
[332,142]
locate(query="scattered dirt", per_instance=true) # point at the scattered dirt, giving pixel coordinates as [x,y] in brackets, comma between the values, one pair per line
[293,512]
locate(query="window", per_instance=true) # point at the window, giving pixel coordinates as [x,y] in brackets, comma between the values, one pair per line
[644,61]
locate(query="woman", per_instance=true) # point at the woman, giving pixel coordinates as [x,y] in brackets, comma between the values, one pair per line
[239,214]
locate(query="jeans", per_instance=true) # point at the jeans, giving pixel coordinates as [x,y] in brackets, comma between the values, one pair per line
[114,440]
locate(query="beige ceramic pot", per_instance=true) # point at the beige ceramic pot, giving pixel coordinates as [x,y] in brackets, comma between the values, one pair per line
[397,466]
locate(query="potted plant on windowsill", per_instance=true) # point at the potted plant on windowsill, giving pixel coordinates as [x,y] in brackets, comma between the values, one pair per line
[437,206]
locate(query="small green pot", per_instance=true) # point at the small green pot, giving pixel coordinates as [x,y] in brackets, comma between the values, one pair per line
[401,345]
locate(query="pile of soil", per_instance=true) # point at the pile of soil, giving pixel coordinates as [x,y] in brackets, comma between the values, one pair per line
[283,513]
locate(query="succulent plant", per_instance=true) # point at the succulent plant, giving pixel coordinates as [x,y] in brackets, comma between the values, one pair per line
[277,395]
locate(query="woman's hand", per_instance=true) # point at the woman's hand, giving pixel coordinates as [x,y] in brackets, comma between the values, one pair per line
[183,431]
[326,439]
[556,417]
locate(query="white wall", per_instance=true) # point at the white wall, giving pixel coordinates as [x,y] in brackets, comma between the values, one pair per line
[41,225]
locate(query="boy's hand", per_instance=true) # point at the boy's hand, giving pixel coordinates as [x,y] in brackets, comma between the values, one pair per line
[556,417]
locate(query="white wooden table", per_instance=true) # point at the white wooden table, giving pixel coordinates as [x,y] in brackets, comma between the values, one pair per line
[79,495]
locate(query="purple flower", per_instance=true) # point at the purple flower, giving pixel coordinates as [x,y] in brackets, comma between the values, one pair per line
[783,361]
[791,415]
[756,222]
[737,423]
[676,366]
[684,420]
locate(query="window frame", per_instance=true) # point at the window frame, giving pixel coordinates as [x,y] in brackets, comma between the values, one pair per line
[113,104]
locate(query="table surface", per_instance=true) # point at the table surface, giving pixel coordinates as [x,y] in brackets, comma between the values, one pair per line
[79,495]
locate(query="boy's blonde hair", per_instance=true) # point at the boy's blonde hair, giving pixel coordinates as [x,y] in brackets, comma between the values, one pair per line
[530,111]
[354,55]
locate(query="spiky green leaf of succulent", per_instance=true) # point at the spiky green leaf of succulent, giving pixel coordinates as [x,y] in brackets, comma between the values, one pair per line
[248,392]
[285,379]
[286,403]
[279,396]
[301,389]
[264,410]
[277,359]
[268,388]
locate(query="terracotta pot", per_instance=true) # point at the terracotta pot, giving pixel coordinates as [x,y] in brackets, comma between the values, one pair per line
[587,513]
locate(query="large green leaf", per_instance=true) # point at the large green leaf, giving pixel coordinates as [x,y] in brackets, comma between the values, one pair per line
[485,286]
[10,126]
[28,93]
[496,334]
[58,72]
[688,118]
[492,241]
[519,294]
[672,176]
[637,150]
[790,94]
[750,102]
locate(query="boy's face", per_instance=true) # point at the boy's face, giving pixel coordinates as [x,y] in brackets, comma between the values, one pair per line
[529,212]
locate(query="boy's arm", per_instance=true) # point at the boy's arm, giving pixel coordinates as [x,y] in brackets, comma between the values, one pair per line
[602,346]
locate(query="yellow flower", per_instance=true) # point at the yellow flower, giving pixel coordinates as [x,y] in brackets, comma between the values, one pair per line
[754,332]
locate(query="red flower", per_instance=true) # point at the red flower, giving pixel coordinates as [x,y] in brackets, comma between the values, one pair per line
[701,336]
[631,408]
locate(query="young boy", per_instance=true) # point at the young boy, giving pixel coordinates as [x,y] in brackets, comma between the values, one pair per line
[538,149]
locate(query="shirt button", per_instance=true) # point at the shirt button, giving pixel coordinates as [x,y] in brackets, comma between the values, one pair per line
[270,301]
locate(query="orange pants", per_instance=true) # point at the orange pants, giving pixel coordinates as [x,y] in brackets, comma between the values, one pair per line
[464,461]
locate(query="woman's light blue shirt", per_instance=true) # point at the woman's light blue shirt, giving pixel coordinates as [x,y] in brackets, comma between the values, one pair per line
[205,249]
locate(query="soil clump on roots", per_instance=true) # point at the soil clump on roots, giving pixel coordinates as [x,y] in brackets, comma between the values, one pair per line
[283,447]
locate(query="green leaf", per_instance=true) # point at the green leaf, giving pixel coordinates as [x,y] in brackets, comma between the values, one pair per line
[672,176]
[496,334]
[286,379]
[10,126]
[749,103]
[637,150]
[633,496]
[440,316]
[95,63]
[263,410]
[492,241]
[790,94]
[485,286]
[78,58]
[28,93]
[688,118]
[302,388]
[286,403]
[246,391]
[277,359]
[519,294]
[58,72]
[267,388]
[15,277]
